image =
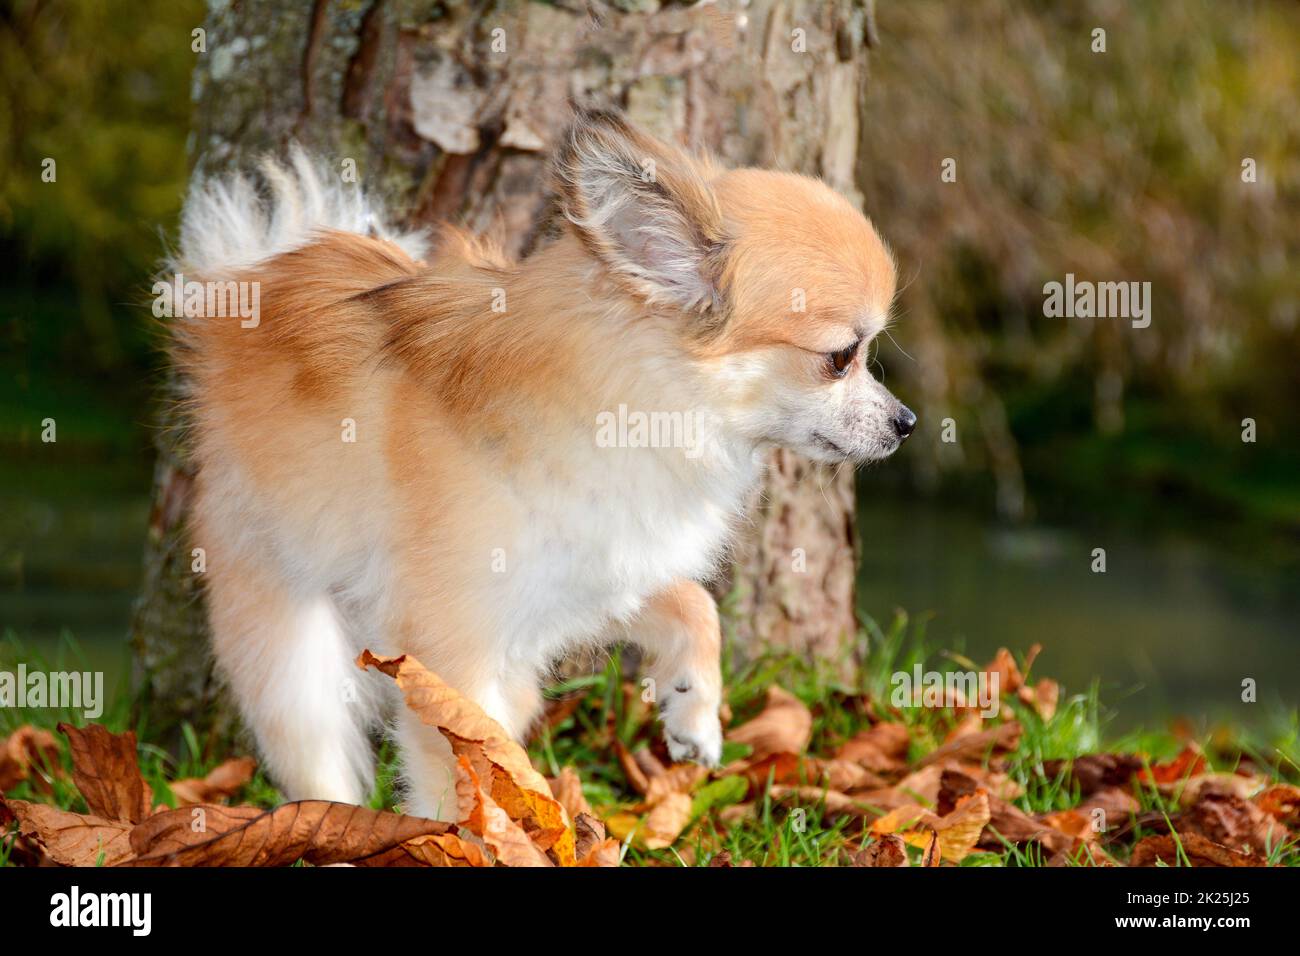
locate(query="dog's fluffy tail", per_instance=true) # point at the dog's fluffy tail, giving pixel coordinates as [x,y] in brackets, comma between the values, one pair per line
[233,222]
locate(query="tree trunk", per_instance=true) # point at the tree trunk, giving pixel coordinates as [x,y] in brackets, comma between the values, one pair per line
[448,109]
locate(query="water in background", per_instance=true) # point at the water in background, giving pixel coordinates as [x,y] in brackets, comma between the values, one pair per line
[1171,628]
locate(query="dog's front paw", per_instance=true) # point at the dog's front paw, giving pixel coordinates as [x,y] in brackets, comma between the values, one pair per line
[693,732]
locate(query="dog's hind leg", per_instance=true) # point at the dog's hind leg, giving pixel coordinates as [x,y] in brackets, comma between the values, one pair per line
[289,662]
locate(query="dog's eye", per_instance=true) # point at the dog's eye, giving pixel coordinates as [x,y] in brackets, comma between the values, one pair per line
[840,361]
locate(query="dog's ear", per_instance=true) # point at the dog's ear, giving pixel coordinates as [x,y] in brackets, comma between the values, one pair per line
[643,208]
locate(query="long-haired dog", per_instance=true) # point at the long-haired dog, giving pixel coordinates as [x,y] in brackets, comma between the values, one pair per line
[468,459]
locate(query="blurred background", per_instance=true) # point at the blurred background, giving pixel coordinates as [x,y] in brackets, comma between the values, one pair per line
[1071,434]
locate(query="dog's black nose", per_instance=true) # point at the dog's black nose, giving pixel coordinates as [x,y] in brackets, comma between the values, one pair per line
[904,421]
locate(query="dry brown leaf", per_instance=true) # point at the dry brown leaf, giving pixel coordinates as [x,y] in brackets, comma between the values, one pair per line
[567,787]
[783,726]
[224,782]
[28,748]
[440,705]
[606,853]
[1092,772]
[106,770]
[1198,850]
[666,821]
[649,763]
[881,748]
[588,833]
[681,778]
[1007,670]
[1191,790]
[723,860]
[445,849]
[73,839]
[957,832]
[317,831]
[1007,822]
[1072,823]
[482,816]
[1282,803]
[1043,697]
[1229,820]
[995,740]
[637,778]
[794,769]
[930,855]
[886,850]
[1115,803]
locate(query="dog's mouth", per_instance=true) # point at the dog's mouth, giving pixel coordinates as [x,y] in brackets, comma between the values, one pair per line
[823,442]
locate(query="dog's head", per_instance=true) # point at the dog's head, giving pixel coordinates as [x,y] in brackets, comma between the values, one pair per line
[779,283]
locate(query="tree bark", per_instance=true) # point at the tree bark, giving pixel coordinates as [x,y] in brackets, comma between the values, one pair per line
[448,109]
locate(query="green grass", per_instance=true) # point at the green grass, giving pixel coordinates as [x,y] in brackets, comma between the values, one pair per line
[774,834]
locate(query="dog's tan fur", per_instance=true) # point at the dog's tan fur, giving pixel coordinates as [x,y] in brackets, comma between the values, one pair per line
[473,440]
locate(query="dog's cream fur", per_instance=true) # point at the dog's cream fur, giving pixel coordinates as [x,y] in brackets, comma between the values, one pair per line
[475,522]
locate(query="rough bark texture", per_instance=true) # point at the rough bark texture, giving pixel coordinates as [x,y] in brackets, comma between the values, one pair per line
[449,109]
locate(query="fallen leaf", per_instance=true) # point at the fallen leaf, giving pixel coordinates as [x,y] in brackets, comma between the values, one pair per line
[1198,850]
[106,770]
[666,821]
[1043,697]
[317,831]
[1071,823]
[783,726]
[1092,772]
[588,833]
[606,853]
[881,748]
[567,787]
[1234,822]
[886,850]
[440,705]
[723,860]
[637,778]
[957,832]
[224,782]
[795,769]
[482,816]
[682,778]
[995,740]
[433,849]
[73,839]
[1282,803]
[28,748]
[1189,763]
[1007,670]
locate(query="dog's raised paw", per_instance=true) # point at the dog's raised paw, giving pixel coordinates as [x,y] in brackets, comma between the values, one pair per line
[698,740]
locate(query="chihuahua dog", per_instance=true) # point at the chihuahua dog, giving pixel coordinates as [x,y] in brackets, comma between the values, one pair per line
[416,451]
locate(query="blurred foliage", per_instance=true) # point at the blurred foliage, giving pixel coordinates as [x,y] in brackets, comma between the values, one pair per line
[1122,165]
[102,88]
